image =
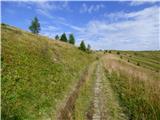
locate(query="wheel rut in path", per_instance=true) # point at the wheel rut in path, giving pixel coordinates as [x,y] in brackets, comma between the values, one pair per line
[66,111]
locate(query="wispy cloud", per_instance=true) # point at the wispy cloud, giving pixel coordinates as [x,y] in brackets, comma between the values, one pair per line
[139,31]
[45,8]
[141,2]
[90,8]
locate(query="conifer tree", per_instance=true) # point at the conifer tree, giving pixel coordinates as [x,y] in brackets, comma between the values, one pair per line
[35,26]
[82,46]
[71,39]
[64,38]
[57,37]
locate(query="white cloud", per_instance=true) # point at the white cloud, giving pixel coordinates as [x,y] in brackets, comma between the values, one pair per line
[141,2]
[46,7]
[137,31]
[90,8]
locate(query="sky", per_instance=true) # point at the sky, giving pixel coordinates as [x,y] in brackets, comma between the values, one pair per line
[118,25]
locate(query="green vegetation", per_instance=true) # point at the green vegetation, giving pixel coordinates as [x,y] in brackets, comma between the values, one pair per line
[137,89]
[71,39]
[147,59]
[37,73]
[113,109]
[64,38]
[84,103]
[118,52]
[82,46]
[35,26]
[88,49]
[56,37]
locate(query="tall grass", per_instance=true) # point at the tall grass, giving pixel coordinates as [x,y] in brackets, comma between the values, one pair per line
[137,88]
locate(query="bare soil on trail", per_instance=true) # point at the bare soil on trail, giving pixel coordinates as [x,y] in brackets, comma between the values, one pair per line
[104,104]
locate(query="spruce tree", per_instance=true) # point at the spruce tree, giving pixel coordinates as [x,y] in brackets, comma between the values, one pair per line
[57,37]
[71,39]
[82,46]
[64,38]
[35,26]
[88,48]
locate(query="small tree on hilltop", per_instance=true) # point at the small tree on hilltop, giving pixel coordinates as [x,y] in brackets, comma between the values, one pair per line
[88,48]
[64,38]
[71,39]
[57,37]
[82,46]
[35,26]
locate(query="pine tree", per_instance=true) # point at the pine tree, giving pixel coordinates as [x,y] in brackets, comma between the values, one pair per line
[64,38]
[35,26]
[57,37]
[88,48]
[71,39]
[82,46]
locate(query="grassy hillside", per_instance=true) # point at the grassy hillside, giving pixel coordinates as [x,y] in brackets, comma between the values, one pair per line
[136,87]
[147,59]
[37,73]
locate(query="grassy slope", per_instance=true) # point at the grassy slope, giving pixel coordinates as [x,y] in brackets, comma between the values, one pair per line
[147,59]
[137,88]
[37,73]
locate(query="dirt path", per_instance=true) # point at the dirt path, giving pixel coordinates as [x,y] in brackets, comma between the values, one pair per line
[105,103]
[97,92]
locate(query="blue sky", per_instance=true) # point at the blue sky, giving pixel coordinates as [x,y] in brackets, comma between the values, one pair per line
[127,25]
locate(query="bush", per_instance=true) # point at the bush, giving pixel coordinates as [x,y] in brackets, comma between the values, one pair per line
[110,51]
[138,64]
[135,53]
[97,58]
[128,60]
[118,52]
[105,51]
[121,57]
[3,24]
[157,71]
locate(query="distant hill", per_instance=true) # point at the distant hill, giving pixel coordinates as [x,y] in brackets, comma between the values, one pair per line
[37,73]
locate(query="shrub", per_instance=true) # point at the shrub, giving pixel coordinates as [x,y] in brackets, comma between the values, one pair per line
[118,52]
[138,64]
[3,24]
[56,37]
[105,51]
[121,57]
[88,48]
[110,51]
[157,71]
[128,60]
[97,58]
[135,53]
